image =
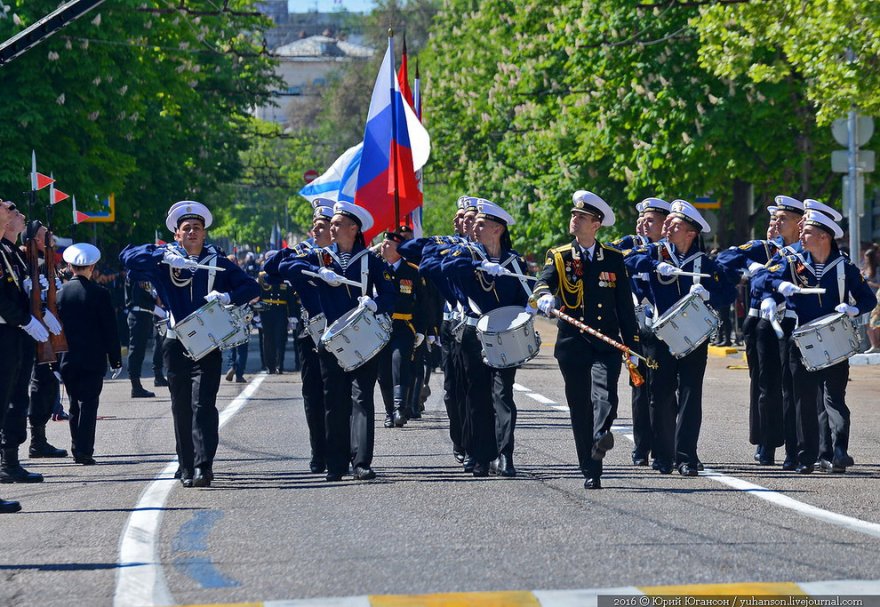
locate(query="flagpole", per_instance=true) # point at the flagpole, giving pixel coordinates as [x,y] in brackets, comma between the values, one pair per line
[417,106]
[394,128]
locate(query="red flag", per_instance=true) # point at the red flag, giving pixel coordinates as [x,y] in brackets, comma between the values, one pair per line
[42,181]
[79,217]
[58,196]
[403,77]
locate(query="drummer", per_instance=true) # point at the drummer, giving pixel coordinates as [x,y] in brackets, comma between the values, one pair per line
[482,272]
[819,265]
[176,272]
[649,227]
[677,385]
[589,280]
[348,395]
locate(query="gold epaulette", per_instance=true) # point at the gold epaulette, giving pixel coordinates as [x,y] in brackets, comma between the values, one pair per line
[561,249]
[412,265]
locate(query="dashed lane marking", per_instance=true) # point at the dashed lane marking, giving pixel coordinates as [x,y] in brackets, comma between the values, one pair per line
[140,581]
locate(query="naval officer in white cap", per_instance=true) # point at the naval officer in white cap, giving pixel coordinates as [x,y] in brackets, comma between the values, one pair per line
[176,271]
[90,326]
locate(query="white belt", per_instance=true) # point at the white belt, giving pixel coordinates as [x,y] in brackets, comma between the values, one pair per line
[139,309]
[449,316]
[755,313]
[471,321]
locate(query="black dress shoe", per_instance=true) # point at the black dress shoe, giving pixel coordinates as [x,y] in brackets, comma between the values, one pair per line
[202,477]
[17,474]
[805,469]
[389,421]
[469,463]
[602,444]
[399,419]
[503,466]
[333,476]
[317,467]
[758,453]
[364,474]
[85,460]
[141,392]
[186,478]
[639,460]
[481,469]
[160,382]
[789,465]
[841,460]
[700,466]
[592,483]
[45,450]
[662,467]
[687,469]
[178,473]
[230,374]
[458,454]
[9,506]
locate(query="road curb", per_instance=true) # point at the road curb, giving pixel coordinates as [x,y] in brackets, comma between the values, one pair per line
[583,598]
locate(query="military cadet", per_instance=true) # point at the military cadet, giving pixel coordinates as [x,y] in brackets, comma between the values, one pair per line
[348,395]
[276,307]
[407,331]
[766,403]
[485,273]
[14,430]
[820,264]
[141,305]
[589,281]
[92,338]
[677,424]
[649,227]
[176,272]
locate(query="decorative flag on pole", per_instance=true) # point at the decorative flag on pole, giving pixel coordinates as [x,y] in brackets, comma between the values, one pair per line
[56,196]
[78,217]
[403,77]
[38,180]
[339,181]
[396,145]
[417,106]
[158,241]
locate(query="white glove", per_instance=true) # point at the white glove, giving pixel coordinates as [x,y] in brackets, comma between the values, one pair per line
[493,269]
[649,311]
[221,297]
[292,323]
[330,277]
[787,289]
[160,313]
[642,276]
[258,322]
[44,282]
[419,339]
[52,323]
[546,303]
[700,290]
[27,284]
[755,267]
[847,309]
[666,269]
[768,309]
[368,303]
[58,283]
[634,360]
[433,340]
[179,262]
[36,330]
[117,371]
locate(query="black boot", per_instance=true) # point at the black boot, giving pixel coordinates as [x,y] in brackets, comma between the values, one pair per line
[12,472]
[160,381]
[8,506]
[40,447]
[399,407]
[138,391]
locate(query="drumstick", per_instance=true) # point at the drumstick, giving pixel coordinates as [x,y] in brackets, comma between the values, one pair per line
[811,291]
[507,272]
[201,267]
[683,273]
[342,280]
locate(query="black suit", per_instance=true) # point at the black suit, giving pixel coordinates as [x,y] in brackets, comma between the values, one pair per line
[92,337]
[598,293]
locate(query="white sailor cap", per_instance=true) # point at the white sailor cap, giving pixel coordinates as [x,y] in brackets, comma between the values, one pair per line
[685,210]
[814,205]
[322,208]
[81,254]
[360,215]
[490,210]
[187,209]
[470,203]
[461,203]
[821,220]
[787,203]
[592,204]
[654,204]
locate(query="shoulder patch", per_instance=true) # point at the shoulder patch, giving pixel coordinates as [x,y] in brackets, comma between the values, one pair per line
[746,246]
[774,268]
[412,265]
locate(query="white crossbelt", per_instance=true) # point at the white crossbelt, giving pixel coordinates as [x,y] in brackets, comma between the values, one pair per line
[756,313]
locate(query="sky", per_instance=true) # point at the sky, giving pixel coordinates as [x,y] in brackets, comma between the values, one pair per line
[329,6]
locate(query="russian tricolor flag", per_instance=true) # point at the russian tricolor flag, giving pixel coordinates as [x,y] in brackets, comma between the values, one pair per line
[396,145]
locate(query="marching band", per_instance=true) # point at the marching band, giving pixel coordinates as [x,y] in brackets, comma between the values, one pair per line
[646,301]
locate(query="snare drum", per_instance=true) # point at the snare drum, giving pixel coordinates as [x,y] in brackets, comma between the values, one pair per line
[356,337]
[241,317]
[212,326]
[686,325]
[508,336]
[826,341]
[315,326]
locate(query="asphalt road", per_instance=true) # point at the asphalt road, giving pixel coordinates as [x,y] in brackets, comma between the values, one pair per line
[268,529]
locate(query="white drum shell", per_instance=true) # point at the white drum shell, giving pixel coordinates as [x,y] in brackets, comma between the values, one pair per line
[356,337]
[315,326]
[826,341]
[686,325]
[508,337]
[211,326]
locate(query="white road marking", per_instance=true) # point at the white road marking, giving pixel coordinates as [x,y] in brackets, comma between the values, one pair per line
[774,497]
[140,581]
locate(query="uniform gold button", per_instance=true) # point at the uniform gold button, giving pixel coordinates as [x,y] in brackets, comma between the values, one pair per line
[598,318]
[600,305]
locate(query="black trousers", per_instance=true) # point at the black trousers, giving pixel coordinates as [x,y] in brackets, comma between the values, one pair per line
[505,409]
[478,424]
[44,390]
[158,363]
[193,386]
[274,336]
[641,409]
[10,363]
[808,388]
[765,383]
[313,395]
[591,394]
[15,424]
[349,412]
[84,390]
[452,400]
[676,402]
[395,367]
[140,327]
[789,410]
